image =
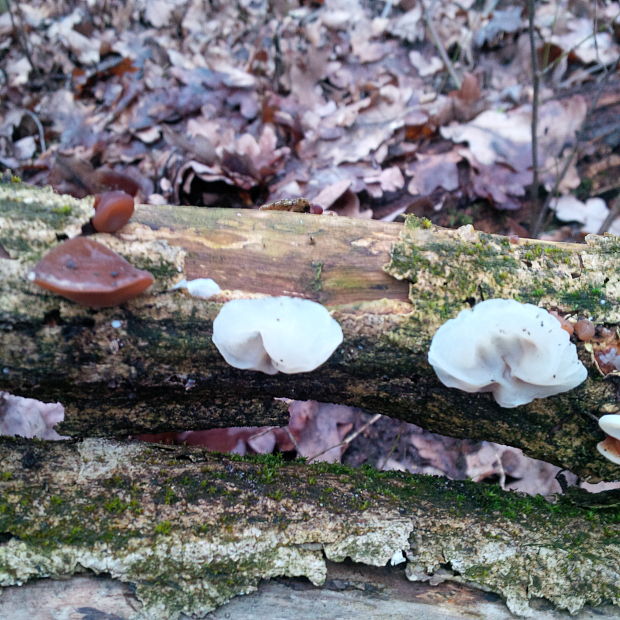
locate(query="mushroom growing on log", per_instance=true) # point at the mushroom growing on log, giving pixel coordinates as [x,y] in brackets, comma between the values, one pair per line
[150,366]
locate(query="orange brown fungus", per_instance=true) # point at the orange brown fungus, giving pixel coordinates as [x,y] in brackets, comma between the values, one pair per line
[567,326]
[112,211]
[585,329]
[612,446]
[90,274]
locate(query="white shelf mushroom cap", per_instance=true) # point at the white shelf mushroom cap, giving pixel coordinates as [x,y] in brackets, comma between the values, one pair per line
[276,334]
[200,287]
[610,447]
[517,351]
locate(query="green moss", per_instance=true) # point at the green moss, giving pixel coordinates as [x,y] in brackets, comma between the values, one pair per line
[588,298]
[163,527]
[460,269]
[459,219]
[62,210]
[551,254]
[159,269]
[85,521]
[170,497]
[316,283]
[116,505]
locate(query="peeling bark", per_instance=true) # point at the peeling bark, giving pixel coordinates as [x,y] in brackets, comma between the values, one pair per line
[191,530]
[159,370]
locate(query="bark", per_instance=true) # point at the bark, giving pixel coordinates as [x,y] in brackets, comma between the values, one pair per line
[191,530]
[350,590]
[159,370]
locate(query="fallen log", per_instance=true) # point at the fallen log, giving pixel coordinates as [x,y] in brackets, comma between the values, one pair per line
[149,365]
[190,529]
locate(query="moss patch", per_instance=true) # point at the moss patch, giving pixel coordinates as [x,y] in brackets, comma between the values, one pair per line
[452,269]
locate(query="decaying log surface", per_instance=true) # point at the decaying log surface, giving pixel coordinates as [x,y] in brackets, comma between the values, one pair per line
[150,365]
[350,590]
[191,530]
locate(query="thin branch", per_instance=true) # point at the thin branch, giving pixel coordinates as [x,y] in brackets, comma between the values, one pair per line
[614,212]
[37,122]
[22,38]
[383,461]
[536,221]
[347,440]
[428,20]
[554,190]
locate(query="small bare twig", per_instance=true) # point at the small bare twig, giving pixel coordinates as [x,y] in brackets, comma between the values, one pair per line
[387,9]
[347,440]
[502,471]
[269,429]
[37,122]
[382,463]
[19,31]
[614,212]
[535,103]
[428,20]
[544,210]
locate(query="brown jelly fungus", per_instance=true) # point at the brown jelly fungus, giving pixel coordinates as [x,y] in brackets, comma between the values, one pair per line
[90,274]
[112,211]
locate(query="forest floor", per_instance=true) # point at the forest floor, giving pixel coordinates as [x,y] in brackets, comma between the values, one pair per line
[367,109]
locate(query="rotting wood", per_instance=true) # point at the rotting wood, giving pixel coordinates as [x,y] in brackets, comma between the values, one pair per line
[150,365]
[191,530]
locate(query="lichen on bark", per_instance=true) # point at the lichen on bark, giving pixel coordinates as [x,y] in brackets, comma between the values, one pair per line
[191,530]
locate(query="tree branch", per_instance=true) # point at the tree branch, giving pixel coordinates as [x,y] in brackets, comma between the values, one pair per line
[150,366]
[191,530]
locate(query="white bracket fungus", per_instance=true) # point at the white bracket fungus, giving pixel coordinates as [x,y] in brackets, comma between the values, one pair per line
[610,447]
[275,334]
[517,351]
[200,287]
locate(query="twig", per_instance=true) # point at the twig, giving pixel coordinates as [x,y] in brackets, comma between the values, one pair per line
[614,211]
[383,462]
[37,122]
[545,208]
[347,440]
[22,39]
[536,221]
[428,20]
[387,9]
[502,471]
[551,195]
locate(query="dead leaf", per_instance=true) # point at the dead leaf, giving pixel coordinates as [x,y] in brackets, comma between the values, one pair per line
[319,428]
[591,213]
[432,171]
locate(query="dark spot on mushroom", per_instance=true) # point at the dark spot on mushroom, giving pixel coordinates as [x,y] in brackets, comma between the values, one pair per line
[90,274]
